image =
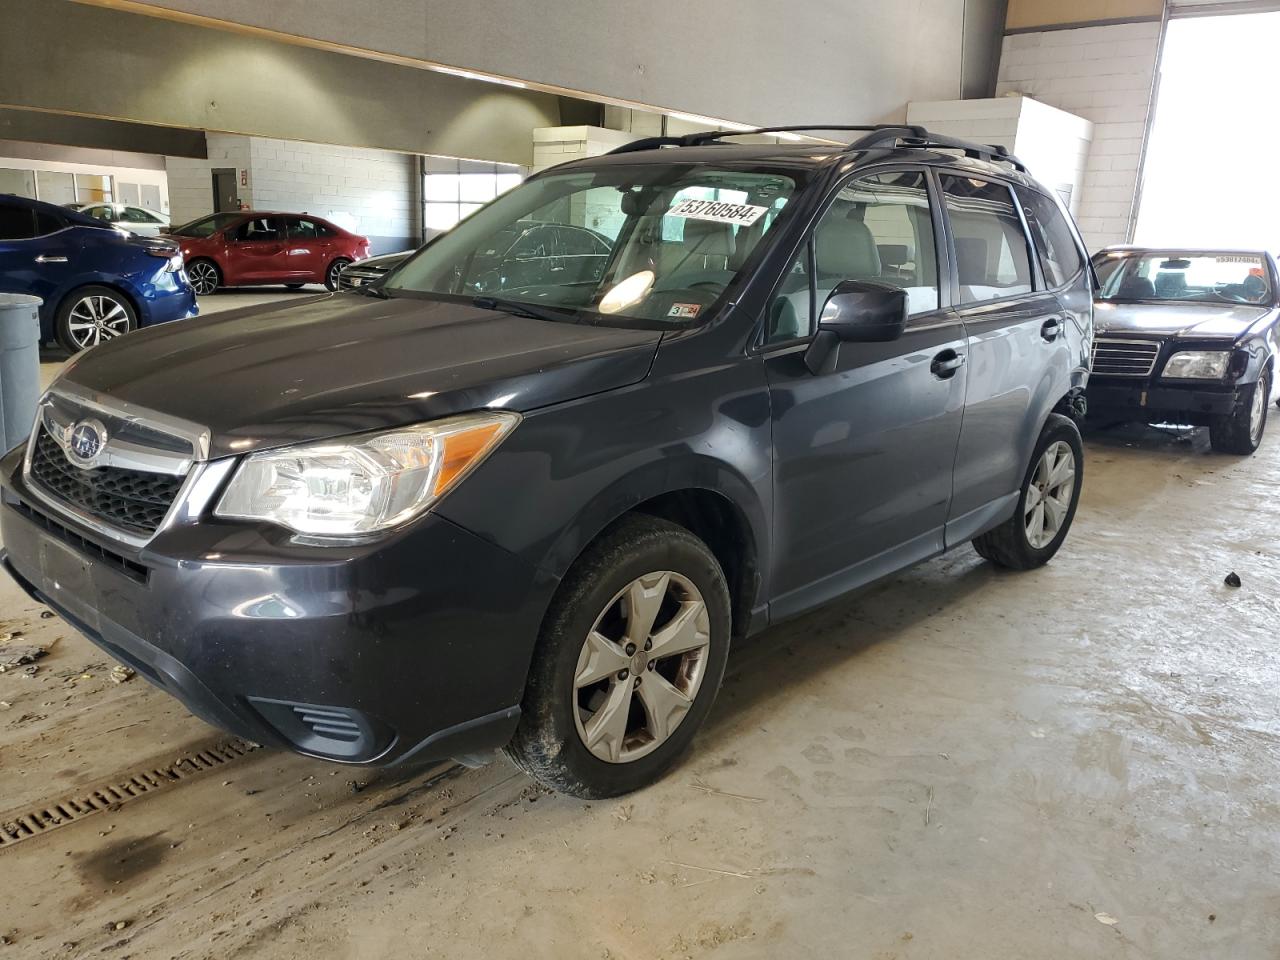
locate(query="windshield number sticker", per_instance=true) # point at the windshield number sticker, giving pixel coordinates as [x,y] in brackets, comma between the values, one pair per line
[743,214]
[684,311]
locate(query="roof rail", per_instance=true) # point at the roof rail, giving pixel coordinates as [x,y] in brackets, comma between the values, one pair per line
[879,135]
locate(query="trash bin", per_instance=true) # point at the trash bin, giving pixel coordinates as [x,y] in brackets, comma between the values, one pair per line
[19,366]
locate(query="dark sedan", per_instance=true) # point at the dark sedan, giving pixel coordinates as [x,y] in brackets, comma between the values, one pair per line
[1186,336]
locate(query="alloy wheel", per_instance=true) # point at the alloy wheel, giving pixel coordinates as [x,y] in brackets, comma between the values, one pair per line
[204,277]
[1049,494]
[335,269]
[96,318]
[641,666]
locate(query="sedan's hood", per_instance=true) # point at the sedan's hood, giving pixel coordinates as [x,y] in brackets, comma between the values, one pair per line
[1210,321]
[343,364]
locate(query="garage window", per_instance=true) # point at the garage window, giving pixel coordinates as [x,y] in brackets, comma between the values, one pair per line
[452,189]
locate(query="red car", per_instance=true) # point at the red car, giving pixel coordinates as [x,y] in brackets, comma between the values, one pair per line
[252,247]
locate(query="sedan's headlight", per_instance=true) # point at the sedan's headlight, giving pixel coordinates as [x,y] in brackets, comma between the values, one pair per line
[360,485]
[1198,365]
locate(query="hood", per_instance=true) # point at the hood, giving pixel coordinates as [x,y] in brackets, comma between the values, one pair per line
[341,364]
[1205,321]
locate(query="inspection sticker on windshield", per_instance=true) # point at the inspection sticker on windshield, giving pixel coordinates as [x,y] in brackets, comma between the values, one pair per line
[743,214]
[684,311]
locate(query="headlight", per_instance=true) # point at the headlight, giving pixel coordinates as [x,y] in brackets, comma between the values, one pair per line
[360,485]
[1198,365]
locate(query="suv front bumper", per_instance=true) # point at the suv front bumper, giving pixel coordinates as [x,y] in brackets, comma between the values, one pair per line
[414,648]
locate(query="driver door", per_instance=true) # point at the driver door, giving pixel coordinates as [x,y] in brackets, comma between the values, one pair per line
[863,454]
[259,251]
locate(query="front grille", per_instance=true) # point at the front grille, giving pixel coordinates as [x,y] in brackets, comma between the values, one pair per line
[351,279]
[1124,358]
[131,500]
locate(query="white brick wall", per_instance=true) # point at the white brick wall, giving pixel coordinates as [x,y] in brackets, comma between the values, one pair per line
[369,191]
[1103,74]
[372,192]
[191,181]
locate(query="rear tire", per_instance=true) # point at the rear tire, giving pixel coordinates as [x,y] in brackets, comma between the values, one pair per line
[335,268]
[92,315]
[1241,432]
[647,580]
[1046,506]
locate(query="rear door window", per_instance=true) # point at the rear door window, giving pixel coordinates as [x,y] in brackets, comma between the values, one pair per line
[993,259]
[1060,257]
[309,229]
[16,223]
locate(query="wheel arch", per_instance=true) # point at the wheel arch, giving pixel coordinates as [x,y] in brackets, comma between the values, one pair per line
[112,284]
[704,496]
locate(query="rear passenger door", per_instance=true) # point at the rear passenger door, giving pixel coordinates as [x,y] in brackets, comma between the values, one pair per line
[310,248]
[1013,327]
[863,454]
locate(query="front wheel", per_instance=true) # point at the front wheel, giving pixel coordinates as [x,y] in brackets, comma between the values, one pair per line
[1046,504]
[628,662]
[1241,432]
[205,276]
[92,315]
[335,268]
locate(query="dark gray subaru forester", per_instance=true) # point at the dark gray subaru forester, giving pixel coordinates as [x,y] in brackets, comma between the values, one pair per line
[525,495]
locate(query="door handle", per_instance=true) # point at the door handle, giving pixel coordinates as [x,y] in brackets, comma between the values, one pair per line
[44,258]
[946,364]
[1050,330]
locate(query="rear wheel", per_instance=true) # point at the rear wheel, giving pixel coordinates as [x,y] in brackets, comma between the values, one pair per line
[1046,504]
[628,662]
[1241,432]
[335,268]
[205,276]
[92,315]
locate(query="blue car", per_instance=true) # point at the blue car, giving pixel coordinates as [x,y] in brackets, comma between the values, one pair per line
[96,282]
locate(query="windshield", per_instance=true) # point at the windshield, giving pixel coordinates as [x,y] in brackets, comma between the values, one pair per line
[1211,278]
[656,242]
[206,226]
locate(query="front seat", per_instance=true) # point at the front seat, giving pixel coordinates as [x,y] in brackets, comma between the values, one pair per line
[707,245]
[846,250]
[1136,288]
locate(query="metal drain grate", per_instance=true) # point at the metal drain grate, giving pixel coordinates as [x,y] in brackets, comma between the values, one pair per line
[39,820]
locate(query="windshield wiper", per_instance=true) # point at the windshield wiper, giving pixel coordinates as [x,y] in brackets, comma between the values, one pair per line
[521,309]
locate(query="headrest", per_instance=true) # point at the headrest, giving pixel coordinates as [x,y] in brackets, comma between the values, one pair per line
[971,260]
[1136,288]
[706,238]
[893,254]
[846,249]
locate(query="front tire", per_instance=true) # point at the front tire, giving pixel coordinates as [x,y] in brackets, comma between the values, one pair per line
[1046,504]
[205,277]
[1241,432]
[92,315]
[628,662]
[335,268]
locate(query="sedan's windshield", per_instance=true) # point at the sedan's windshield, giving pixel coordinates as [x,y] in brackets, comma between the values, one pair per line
[653,242]
[1204,277]
[206,226]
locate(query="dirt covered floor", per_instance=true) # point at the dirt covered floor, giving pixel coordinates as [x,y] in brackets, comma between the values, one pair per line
[1077,762]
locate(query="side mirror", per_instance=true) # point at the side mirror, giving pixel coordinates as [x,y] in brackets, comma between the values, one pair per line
[857,311]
